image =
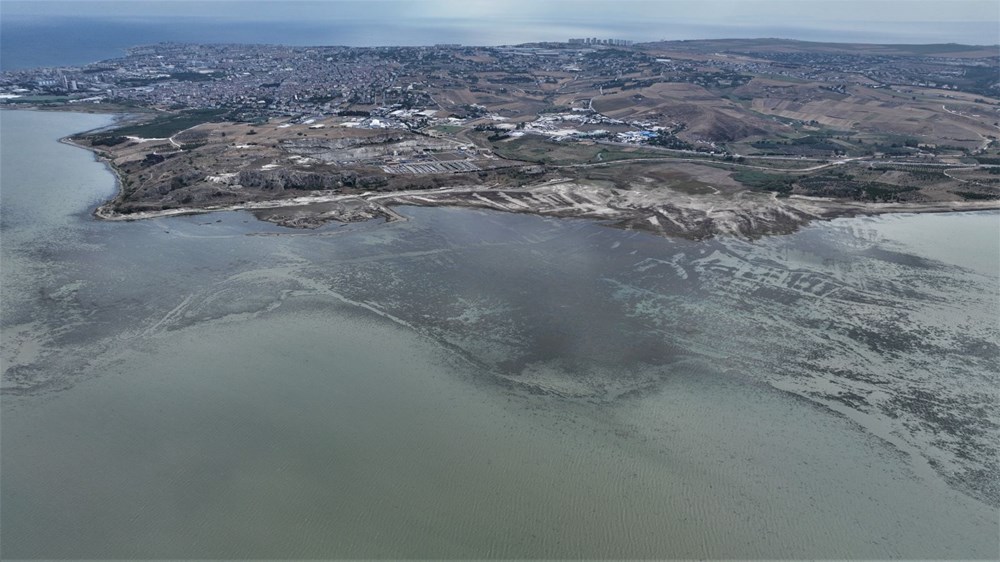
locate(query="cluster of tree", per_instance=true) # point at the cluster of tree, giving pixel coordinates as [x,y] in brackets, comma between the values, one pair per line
[669,140]
[977,195]
[760,181]
[108,141]
[473,111]
[152,159]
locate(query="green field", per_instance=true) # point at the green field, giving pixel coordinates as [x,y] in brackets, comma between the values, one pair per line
[761,181]
[167,125]
[39,99]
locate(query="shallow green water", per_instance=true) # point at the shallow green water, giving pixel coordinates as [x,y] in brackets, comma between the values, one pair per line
[474,384]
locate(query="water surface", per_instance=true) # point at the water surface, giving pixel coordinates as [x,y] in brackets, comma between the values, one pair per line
[477,384]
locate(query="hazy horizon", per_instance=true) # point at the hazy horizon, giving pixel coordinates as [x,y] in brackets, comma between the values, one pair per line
[519,21]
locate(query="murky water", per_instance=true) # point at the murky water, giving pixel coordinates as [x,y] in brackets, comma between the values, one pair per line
[477,384]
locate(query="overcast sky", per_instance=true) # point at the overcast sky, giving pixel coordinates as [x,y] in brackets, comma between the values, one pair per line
[965,21]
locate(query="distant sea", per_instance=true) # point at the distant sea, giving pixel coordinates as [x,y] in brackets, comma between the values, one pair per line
[27,42]
[76,41]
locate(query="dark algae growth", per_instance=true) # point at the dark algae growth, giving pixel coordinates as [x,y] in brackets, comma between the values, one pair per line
[213,386]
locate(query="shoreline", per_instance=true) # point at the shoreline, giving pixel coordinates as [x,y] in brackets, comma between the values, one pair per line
[815,209]
[119,182]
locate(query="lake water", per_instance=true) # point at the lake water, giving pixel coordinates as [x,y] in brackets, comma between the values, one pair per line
[472,384]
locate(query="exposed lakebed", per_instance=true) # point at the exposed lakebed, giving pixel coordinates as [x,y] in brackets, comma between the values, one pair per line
[470,383]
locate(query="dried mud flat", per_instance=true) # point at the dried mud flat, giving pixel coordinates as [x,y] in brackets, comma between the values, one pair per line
[348,209]
[743,214]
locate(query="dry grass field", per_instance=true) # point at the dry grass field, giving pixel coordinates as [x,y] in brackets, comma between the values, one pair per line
[928,116]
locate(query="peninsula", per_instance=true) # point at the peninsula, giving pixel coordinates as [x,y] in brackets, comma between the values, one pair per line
[687,138]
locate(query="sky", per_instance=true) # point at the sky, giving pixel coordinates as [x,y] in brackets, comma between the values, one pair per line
[882,21]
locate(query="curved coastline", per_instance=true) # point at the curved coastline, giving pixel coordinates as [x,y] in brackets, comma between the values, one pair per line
[744,214]
[722,452]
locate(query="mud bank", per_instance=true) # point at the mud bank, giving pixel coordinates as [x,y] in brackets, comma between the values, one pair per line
[299,212]
[746,215]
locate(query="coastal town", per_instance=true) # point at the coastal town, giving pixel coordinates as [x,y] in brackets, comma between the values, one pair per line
[633,129]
